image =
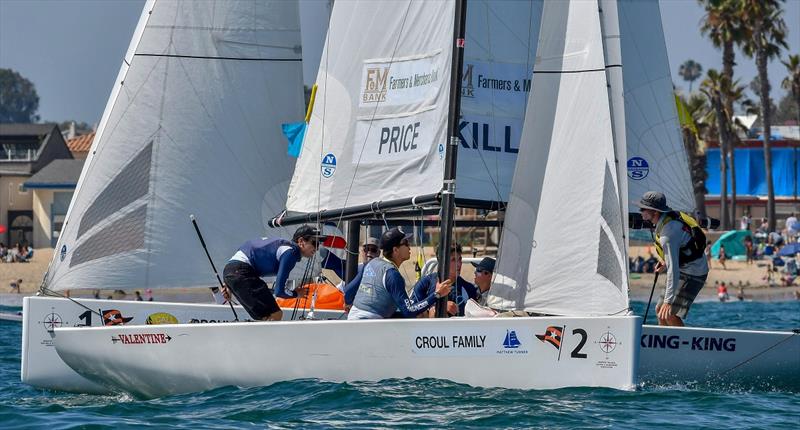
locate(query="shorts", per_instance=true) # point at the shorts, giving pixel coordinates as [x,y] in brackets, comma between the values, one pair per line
[688,288]
[251,291]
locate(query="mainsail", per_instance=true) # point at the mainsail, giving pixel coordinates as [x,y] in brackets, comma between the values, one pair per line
[192,127]
[498,58]
[378,129]
[563,249]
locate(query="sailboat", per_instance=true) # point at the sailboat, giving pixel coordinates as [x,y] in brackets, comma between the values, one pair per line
[657,160]
[192,127]
[406,125]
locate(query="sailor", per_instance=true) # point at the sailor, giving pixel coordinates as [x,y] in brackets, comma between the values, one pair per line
[370,250]
[680,243]
[484,270]
[382,292]
[459,295]
[268,257]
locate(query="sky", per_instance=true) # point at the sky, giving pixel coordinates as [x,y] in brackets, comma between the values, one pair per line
[72,49]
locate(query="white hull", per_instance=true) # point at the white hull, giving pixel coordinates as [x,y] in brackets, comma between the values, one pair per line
[42,367]
[769,359]
[661,361]
[170,359]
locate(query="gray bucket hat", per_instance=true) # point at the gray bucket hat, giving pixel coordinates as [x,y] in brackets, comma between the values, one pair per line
[655,201]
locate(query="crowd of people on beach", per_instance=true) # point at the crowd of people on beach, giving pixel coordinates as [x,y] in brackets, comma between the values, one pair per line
[19,253]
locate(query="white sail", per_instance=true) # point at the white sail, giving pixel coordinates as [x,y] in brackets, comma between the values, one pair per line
[378,128]
[498,59]
[563,250]
[656,157]
[192,127]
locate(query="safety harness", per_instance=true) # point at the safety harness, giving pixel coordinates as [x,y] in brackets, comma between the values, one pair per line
[696,245]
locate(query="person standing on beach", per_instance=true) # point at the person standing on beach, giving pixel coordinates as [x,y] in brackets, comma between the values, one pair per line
[680,243]
[722,257]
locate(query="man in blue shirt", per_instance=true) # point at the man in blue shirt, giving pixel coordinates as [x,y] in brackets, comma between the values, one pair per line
[459,295]
[382,292]
[268,257]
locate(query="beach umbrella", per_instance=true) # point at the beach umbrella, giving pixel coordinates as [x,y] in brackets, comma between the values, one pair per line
[790,249]
[733,242]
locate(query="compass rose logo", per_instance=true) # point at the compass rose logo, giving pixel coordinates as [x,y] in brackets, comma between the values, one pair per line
[51,321]
[608,342]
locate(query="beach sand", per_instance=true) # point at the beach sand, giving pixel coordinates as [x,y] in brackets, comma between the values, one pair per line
[32,273]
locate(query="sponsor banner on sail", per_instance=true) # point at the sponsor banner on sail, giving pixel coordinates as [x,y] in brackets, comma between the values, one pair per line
[494,88]
[378,128]
[487,155]
[401,82]
[395,139]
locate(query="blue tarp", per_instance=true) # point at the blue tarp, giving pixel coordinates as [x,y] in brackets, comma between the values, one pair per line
[790,250]
[750,174]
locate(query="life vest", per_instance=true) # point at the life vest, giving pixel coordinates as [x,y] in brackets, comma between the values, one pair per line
[694,248]
[328,297]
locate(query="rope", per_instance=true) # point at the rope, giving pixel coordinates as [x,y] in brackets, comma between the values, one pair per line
[794,333]
[49,292]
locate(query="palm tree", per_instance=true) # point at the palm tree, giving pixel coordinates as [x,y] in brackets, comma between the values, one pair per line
[791,82]
[722,24]
[713,87]
[690,71]
[766,30]
[695,115]
[736,94]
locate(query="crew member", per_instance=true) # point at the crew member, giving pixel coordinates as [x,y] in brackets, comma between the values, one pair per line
[268,257]
[680,243]
[370,251]
[382,292]
[463,291]
[484,270]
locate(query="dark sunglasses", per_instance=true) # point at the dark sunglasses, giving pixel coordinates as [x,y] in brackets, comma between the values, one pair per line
[371,249]
[484,272]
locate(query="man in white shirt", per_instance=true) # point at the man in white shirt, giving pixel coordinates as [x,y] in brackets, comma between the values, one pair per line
[680,244]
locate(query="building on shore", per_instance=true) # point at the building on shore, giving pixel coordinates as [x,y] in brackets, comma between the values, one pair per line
[25,149]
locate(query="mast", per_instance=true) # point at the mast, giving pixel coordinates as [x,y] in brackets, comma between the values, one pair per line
[451,150]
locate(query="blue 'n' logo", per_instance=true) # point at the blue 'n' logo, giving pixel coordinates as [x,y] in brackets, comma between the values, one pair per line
[328,165]
[638,168]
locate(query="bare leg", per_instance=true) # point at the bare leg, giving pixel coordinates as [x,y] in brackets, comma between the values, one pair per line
[275,316]
[675,320]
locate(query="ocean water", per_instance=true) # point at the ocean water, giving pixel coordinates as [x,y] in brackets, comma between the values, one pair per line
[419,404]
